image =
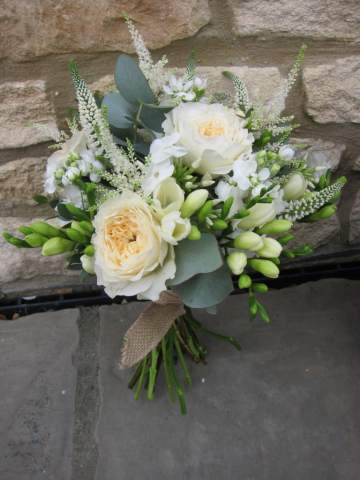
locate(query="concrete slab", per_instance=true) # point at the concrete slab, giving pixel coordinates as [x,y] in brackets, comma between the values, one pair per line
[284,407]
[38,381]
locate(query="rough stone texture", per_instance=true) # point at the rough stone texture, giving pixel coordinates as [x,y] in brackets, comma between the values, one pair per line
[103,85]
[356,166]
[333,91]
[332,151]
[26,263]
[35,28]
[315,234]
[20,103]
[266,81]
[19,182]
[286,406]
[354,232]
[38,383]
[320,19]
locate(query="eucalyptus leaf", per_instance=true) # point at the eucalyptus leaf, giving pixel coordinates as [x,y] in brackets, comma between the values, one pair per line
[153,116]
[131,82]
[206,289]
[141,147]
[117,109]
[192,258]
[140,124]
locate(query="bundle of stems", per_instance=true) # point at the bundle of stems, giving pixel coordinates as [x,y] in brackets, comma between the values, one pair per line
[182,338]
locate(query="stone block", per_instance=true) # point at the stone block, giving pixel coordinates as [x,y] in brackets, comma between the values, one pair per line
[33,28]
[315,234]
[20,180]
[286,406]
[356,166]
[21,103]
[266,81]
[333,91]
[316,19]
[332,151]
[354,232]
[37,398]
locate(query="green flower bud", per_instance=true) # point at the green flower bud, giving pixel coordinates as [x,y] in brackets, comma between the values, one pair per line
[193,202]
[59,173]
[275,168]
[285,239]
[248,241]
[36,240]
[275,226]
[72,157]
[267,268]
[7,237]
[325,212]
[260,214]
[219,225]
[204,212]
[25,230]
[271,155]
[89,250]
[77,236]
[77,226]
[237,262]
[226,208]
[87,264]
[47,230]
[259,287]
[194,233]
[87,226]
[244,281]
[295,187]
[271,248]
[56,246]
[17,242]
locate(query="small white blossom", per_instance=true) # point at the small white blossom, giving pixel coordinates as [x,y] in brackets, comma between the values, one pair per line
[315,160]
[156,173]
[164,148]
[177,88]
[245,175]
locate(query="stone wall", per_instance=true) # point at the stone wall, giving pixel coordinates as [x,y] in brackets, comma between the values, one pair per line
[257,39]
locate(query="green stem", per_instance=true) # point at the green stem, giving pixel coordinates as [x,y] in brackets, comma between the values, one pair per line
[153,370]
[167,372]
[172,372]
[187,346]
[135,376]
[182,361]
[212,334]
[137,118]
[141,378]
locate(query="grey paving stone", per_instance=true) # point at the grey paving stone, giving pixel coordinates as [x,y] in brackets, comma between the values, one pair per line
[284,407]
[38,382]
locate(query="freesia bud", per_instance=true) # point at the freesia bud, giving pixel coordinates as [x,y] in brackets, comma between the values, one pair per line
[325,212]
[25,230]
[267,268]
[271,248]
[244,281]
[47,230]
[275,168]
[194,233]
[76,236]
[89,250]
[260,214]
[87,227]
[36,240]
[275,226]
[220,225]
[56,246]
[236,262]
[295,187]
[248,241]
[77,226]
[286,153]
[259,287]
[193,202]
[87,264]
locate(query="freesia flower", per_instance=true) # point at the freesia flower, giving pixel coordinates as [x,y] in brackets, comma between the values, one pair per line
[177,88]
[214,135]
[225,190]
[131,257]
[156,173]
[245,175]
[164,148]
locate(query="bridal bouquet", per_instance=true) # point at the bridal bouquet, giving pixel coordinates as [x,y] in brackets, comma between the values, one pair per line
[165,193]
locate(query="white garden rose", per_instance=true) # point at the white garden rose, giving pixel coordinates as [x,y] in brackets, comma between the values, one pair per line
[131,257]
[214,134]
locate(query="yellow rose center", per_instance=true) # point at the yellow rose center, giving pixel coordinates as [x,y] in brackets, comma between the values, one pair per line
[123,238]
[211,128]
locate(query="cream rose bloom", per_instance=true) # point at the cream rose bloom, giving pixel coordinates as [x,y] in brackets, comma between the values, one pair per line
[214,134]
[131,257]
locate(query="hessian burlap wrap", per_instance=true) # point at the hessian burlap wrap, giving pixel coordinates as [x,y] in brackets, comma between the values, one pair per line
[150,327]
